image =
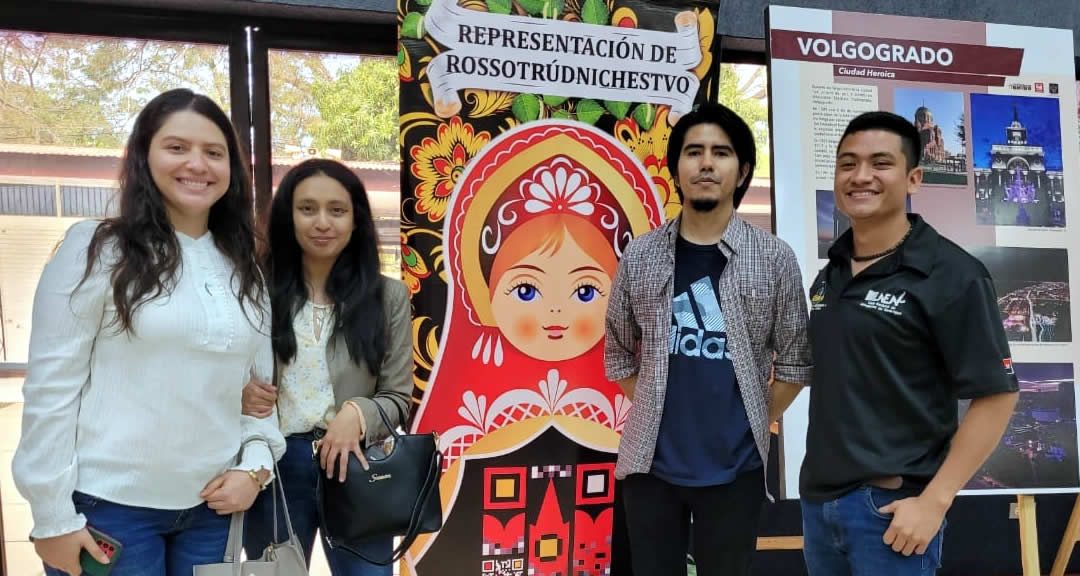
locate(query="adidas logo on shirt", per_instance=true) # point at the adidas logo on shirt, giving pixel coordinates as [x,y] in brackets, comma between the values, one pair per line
[699,333]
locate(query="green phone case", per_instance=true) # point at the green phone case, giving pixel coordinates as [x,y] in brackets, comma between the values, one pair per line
[92,567]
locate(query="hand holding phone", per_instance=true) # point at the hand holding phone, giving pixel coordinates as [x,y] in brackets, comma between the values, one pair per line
[109,545]
[64,552]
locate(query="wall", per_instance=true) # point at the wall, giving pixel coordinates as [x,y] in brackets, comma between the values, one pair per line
[745,18]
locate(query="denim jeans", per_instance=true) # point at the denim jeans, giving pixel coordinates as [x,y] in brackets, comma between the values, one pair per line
[844,537]
[298,474]
[156,542]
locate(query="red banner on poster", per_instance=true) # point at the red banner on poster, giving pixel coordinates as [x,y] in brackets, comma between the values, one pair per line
[896,53]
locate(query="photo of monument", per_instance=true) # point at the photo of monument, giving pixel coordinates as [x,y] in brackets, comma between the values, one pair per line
[1016,143]
[939,117]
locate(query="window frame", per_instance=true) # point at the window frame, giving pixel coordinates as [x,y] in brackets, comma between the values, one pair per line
[269,27]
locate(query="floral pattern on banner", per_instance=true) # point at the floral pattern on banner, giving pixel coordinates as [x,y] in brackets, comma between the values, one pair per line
[413,269]
[597,166]
[650,146]
[438,163]
[437,151]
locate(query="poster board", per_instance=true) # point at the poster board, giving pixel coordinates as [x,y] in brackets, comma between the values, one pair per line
[534,142]
[997,114]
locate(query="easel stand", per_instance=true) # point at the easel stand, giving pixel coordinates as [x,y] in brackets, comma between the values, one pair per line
[1068,541]
[1029,535]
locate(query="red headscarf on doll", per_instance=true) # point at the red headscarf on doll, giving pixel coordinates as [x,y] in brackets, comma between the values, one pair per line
[542,205]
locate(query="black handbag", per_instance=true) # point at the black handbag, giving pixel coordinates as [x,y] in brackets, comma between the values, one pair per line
[398,495]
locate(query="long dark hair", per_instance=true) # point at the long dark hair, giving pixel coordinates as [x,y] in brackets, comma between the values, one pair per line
[354,285]
[147,251]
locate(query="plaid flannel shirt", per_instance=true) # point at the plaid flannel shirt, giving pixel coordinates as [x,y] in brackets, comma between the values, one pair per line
[762,297]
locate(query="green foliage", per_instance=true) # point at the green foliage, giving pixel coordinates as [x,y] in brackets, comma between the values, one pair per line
[645,115]
[589,111]
[617,109]
[739,96]
[499,6]
[412,26]
[595,12]
[526,107]
[71,91]
[358,112]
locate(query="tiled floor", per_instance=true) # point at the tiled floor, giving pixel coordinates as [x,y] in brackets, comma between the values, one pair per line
[21,560]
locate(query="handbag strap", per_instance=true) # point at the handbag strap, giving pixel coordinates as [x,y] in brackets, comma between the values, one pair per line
[403,415]
[235,543]
[280,489]
[430,485]
[386,420]
[236,526]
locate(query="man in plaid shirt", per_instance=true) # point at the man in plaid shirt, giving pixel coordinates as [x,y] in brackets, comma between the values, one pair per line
[700,312]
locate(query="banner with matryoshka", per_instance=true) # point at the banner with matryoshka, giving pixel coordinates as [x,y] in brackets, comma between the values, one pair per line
[534,136]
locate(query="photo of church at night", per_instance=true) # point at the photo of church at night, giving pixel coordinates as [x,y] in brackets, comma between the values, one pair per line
[1017,155]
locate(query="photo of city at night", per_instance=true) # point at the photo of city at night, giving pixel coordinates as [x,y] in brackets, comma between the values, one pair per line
[1038,449]
[1033,291]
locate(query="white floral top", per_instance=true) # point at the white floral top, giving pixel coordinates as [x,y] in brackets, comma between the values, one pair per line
[306,396]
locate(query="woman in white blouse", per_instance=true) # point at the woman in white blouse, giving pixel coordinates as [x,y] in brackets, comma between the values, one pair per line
[146,327]
[343,342]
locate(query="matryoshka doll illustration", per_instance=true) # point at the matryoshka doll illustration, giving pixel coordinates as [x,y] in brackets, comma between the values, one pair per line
[528,423]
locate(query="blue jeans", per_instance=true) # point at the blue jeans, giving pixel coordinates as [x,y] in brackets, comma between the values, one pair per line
[844,537]
[156,542]
[298,474]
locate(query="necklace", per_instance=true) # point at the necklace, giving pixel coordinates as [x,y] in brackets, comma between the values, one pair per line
[318,317]
[884,252]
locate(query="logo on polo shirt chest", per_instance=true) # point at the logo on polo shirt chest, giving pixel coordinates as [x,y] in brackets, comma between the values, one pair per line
[817,300]
[884,301]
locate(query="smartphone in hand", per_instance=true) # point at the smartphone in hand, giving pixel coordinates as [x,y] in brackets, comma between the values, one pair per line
[109,545]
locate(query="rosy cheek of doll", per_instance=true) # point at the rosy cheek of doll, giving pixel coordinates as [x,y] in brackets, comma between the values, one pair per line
[584,329]
[526,328]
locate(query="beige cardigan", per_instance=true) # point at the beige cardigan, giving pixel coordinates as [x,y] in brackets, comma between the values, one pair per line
[393,383]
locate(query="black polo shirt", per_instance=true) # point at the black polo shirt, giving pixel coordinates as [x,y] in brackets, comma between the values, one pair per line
[894,348]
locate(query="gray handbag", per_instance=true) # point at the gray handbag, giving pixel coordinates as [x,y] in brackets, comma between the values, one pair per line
[279,559]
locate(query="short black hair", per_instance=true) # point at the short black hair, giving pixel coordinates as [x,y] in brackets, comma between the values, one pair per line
[742,140]
[889,122]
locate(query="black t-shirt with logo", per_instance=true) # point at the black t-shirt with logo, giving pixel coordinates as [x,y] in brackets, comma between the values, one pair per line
[894,348]
[705,437]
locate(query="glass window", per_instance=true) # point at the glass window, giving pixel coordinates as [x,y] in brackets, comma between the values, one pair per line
[744,89]
[69,103]
[343,107]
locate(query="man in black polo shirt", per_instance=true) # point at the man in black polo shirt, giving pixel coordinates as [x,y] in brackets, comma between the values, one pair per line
[903,323]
